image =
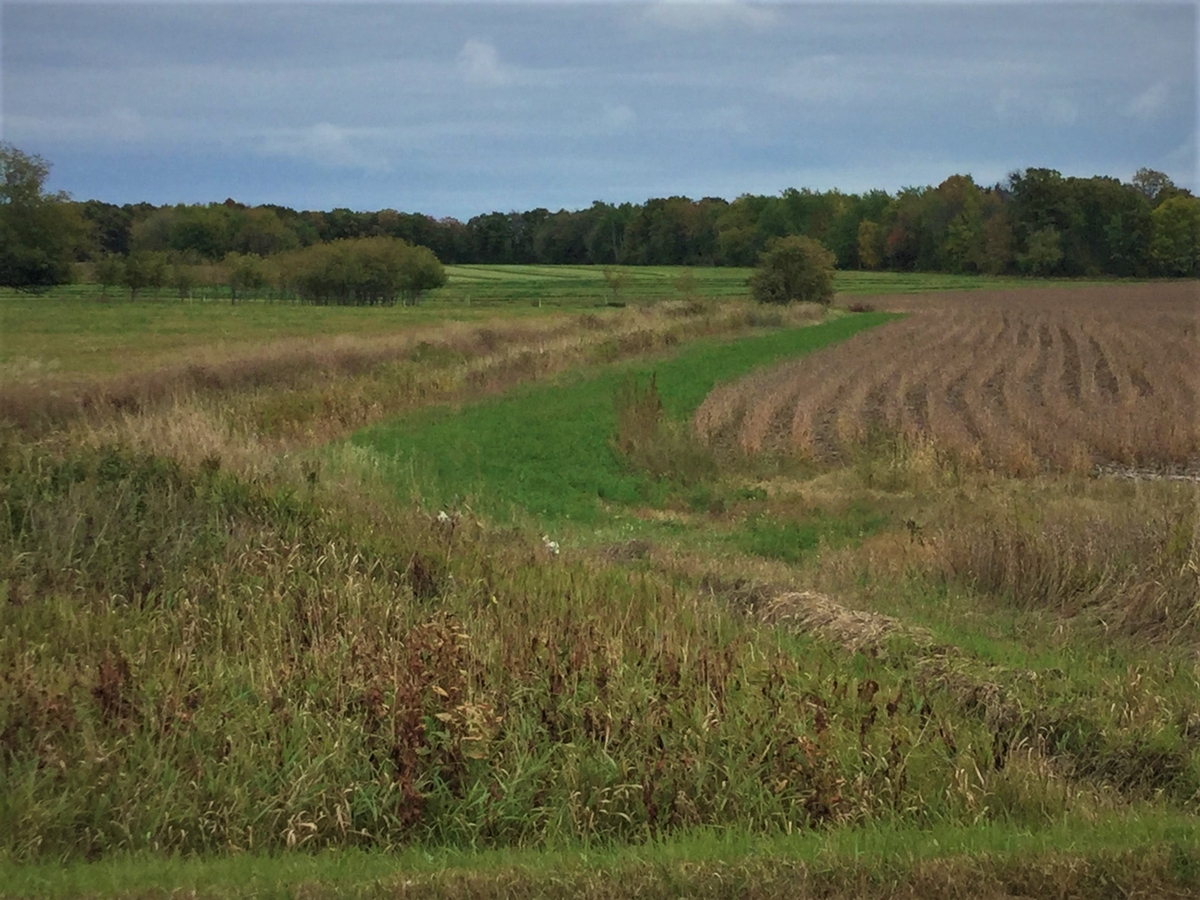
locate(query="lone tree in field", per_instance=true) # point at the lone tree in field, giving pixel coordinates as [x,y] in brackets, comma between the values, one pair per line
[794,269]
[39,232]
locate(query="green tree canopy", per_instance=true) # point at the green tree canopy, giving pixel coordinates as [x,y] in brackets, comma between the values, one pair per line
[1176,244]
[362,272]
[795,268]
[39,232]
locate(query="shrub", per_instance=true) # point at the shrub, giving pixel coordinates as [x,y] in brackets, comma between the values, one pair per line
[794,269]
[363,272]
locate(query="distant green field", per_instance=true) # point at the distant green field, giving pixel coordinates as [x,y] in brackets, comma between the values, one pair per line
[68,332]
[587,284]
[72,330]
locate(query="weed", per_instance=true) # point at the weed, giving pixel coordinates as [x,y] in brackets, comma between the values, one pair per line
[651,444]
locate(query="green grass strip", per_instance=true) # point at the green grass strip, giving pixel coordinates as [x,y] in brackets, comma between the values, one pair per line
[1169,842]
[545,448]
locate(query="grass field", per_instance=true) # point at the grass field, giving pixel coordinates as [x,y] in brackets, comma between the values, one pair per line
[974,861]
[547,450]
[241,654]
[71,331]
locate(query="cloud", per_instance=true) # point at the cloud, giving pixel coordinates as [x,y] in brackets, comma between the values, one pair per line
[479,64]
[726,119]
[1184,162]
[618,118]
[707,15]
[827,77]
[723,96]
[1053,108]
[119,125]
[1149,103]
[327,145]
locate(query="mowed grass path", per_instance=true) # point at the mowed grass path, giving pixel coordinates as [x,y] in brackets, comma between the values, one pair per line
[586,285]
[546,448]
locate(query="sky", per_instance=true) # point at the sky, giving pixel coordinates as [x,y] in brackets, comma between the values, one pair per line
[457,109]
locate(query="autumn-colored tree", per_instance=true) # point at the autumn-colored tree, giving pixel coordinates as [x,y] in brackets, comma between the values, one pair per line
[870,244]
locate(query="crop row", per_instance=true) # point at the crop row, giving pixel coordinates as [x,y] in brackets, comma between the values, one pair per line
[1007,380]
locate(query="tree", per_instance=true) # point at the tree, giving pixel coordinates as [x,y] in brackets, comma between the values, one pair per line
[144,269]
[1045,252]
[182,278]
[243,272]
[420,271]
[997,243]
[617,281]
[109,271]
[109,225]
[1151,183]
[362,272]
[261,232]
[1176,244]
[794,268]
[870,244]
[39,232]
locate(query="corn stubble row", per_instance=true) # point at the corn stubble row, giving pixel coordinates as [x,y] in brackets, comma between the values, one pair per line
[1020,381]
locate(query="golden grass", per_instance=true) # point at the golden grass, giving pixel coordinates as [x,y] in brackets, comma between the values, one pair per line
[854,629]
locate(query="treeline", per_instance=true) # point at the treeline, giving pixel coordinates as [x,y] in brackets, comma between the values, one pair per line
[1038,223]
[45,239]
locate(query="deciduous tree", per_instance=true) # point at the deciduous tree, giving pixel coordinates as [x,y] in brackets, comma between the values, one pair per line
[794,269]
[1176,243]
[39,232]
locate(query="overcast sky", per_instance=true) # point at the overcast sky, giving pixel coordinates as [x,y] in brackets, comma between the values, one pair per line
[454,109]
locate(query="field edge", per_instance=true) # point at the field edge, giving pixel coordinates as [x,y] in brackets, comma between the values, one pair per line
[1150,853]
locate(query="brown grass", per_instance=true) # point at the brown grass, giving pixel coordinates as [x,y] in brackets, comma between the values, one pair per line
[306,391]
[1015,380]
[854,629]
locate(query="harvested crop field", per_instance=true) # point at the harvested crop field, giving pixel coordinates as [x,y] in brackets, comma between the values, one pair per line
[1019,381]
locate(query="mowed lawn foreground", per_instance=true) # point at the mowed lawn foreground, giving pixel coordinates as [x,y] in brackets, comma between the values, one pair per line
[546,448]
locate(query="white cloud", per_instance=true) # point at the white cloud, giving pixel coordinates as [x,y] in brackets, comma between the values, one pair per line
[1054,108]
[480,65]
[726,119]
[1149,103]
[1183,164]
[327,145]
[618,118]
[707,15]
[825,76]
[119,125]
[1060,109]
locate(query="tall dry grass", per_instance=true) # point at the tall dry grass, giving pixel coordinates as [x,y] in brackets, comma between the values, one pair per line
[297,393]
[1132,563]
